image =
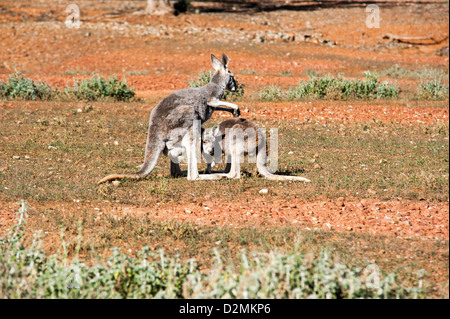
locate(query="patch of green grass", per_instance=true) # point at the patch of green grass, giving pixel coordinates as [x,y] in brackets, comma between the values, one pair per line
[144,72]
[423,74]
[271,93]
[77,72]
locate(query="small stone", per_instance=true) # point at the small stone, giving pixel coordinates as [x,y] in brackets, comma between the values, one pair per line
[116,183]
[208,203]
[264,191]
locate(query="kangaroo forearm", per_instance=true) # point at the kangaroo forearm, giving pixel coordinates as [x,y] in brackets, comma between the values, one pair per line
[217,103]
[223,109]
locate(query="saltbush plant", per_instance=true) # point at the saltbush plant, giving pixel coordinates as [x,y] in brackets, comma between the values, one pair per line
[18,87]
[99,88]
[27,272]
[329,87]
[432,90]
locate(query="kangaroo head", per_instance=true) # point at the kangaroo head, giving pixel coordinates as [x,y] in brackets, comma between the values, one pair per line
[208,141]
[211,138]
[223,75]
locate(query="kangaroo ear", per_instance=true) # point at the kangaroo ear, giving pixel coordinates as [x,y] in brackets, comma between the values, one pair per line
[225,60]
[215,63]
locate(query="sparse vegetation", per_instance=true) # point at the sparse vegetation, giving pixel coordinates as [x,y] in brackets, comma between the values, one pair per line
[423,173]
[375,146]
[77,72]
[143,72]
[27,272]
[98,88]
[201,80]
[18,87]
[286,73]
[312,73]
[271,93]
[423,74]
[432,90]
[329,87]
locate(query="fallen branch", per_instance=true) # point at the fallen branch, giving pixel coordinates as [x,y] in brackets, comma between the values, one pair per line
[413,40]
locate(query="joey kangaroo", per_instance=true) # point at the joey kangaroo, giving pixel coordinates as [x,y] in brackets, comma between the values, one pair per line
[236,137]
[175,122]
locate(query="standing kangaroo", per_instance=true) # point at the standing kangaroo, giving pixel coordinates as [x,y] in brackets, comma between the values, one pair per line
[237,137]
[175,123]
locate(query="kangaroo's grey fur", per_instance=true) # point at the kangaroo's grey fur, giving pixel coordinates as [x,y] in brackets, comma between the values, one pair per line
[175,122]
[249,140]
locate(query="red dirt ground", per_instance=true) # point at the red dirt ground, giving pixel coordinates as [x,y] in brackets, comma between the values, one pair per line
[179,49]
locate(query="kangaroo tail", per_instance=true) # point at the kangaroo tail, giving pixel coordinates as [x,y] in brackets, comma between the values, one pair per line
[152,152]
[113,177]
[261,164]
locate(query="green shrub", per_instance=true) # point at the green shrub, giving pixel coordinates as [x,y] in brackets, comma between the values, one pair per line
[98,88]
[432,90]
[328,87]
[205,77]
[26,272]
[202,79]
[18,87]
